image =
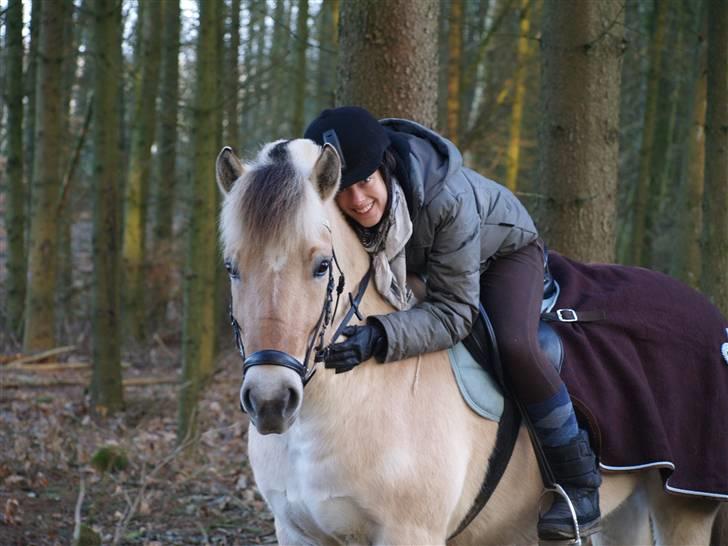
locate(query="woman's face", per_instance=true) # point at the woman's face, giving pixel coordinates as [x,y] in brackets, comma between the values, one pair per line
[364,201]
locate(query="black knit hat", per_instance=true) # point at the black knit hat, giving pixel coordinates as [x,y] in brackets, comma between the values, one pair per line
[356,135]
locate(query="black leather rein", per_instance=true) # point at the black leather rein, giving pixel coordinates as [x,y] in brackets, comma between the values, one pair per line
[281,358]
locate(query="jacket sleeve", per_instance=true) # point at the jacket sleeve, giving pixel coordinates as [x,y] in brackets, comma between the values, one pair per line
[453,285]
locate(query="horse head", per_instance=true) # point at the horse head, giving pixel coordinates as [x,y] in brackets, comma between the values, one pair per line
[278,249]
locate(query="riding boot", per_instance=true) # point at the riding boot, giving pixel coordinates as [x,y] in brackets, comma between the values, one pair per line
[575,468]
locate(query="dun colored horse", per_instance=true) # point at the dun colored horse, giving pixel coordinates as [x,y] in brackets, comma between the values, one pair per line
[386,453]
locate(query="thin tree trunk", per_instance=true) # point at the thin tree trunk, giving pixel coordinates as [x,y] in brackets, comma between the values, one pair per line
[454,62]
[16,193]
[388,58]
[328,38]
[166,161]
[199,283]
[519,93]
[39,333]
[279,71]
[248,98]
[233,74]
[639,222]
[715,200]
[582,47]
[71,38]
[30,85]
[299,101]
[106,381]
[137,187]
[686,263]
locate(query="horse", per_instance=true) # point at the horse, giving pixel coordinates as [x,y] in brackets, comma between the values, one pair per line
[385,453]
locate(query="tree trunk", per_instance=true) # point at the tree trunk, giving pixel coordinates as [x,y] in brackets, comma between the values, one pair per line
[39,333]
[686,261]
[715,201]
[30,85]
[233,78]
[328,41]
[454,62]
[164,257]
[16,194]
[199,284]
[388,58]
[64,296]
[639,222]
[519,93]
[581,46]
[106,385]
[299,101]
[279,72]
[137,187]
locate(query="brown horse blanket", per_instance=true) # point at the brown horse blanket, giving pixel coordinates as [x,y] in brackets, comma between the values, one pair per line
[651,379]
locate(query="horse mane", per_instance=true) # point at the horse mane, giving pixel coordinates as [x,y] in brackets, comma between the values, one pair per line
[273,205]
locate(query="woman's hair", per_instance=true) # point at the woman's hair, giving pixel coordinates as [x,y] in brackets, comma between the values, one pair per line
[373,237]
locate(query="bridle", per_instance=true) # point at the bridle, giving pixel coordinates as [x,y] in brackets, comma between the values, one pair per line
[281,358]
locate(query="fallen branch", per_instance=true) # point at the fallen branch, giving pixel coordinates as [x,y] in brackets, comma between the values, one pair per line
[48,367]
[77,514]
[42,355]
[81,382]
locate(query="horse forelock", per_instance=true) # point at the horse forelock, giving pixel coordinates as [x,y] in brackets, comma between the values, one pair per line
[273,207]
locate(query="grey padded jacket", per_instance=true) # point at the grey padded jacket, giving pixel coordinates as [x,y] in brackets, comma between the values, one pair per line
[461,222]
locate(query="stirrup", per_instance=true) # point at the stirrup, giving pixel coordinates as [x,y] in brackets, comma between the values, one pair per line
[576,540]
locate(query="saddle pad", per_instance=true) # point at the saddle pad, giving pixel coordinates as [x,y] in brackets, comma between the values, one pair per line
[478,388]
[650,379]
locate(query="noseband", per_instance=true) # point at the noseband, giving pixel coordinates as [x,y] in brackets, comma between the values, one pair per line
[280,358]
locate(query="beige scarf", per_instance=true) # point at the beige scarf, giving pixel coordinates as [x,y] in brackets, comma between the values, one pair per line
[389,264]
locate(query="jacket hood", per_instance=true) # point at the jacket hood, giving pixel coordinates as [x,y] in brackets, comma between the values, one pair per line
[432,158]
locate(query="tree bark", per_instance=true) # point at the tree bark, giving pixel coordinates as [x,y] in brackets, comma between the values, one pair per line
[137,187]
[199,283]
[581,46]
[106,381]
[40,314]
[388,58]
[16,193]
[715,200]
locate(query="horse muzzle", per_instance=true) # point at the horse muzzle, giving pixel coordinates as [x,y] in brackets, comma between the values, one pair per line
[272,397]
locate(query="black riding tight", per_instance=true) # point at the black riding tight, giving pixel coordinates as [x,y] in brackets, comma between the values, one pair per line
[511,290]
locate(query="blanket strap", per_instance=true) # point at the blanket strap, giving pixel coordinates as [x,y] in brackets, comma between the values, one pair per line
[570,315]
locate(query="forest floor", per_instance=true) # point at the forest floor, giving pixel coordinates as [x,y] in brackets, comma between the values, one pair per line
[163,496]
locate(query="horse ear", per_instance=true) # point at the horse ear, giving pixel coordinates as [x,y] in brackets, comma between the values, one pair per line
[228,169]
[327,172]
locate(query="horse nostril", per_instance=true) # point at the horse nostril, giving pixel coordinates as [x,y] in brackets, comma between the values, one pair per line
[246,402]
[291,403]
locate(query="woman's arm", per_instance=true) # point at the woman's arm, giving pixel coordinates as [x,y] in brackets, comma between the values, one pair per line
[453,284]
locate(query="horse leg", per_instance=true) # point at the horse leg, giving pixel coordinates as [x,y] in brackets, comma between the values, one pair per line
[629,523]
[719,535]
[679,520]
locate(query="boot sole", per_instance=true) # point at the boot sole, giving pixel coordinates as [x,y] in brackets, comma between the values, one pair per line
[566,532]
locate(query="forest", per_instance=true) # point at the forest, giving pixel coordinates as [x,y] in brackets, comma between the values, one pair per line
[118,371]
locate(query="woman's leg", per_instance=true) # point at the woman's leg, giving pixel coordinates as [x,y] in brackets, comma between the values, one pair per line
[511,290]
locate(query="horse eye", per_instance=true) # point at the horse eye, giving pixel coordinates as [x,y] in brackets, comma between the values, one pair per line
[322,268]
[231,269]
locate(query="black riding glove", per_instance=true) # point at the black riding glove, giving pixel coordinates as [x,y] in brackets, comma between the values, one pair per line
[363,342]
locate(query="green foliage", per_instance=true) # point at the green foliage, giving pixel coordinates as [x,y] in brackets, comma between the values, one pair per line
[109,459]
